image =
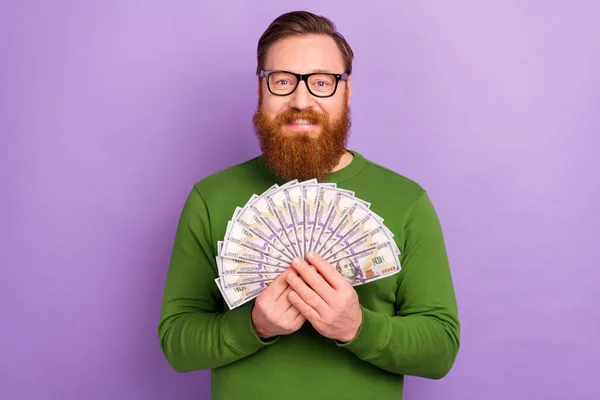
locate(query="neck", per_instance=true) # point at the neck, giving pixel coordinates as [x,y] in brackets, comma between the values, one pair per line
[345,160]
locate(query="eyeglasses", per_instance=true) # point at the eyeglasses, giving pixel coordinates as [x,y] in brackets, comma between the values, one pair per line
[319,84]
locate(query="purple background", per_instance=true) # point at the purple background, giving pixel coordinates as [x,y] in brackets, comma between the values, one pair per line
[111,110]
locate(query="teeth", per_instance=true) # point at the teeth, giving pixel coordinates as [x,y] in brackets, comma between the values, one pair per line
[302,122]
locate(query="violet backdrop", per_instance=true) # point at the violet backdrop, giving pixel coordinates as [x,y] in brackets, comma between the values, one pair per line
[111,110]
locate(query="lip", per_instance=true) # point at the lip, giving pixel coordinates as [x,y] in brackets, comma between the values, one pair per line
[301,127]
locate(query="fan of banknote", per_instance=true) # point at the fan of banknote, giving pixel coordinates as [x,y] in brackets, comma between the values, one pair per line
[290,220]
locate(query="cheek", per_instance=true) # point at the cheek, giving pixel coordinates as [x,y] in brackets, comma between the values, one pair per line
[273,105]
[333,109]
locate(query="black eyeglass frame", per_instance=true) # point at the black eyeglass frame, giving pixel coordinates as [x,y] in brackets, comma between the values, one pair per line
[304,77]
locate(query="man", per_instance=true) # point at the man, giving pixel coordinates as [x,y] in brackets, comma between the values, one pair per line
[310,334]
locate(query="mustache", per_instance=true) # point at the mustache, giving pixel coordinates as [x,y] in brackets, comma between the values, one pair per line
[287,117]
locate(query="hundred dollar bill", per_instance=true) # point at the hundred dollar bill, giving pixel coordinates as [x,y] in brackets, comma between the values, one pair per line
[372,238]
[310,201]
[247,236]
[236,296]
[231,266]
[250,218]
[295,207]
[343,205]
[368,265]
[325,206]
[387,230]
[229,281]
[356,221]
[267,216]
[332,234]
[233,249]
[293,203]
[278,207]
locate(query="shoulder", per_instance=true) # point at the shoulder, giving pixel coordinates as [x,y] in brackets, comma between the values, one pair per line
[394,181]
[229,177]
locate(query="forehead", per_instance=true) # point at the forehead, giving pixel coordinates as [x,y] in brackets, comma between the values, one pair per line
[305,54]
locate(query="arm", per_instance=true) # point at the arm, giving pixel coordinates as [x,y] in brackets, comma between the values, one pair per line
[423,339]
[195,331]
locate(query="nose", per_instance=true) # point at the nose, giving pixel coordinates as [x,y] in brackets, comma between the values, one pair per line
[301,99]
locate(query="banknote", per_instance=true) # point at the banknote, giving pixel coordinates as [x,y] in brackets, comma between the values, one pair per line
[343,205]
[325,205]
[269,218]
[332,234]
[250,219]
[277,206]
[229,281]
[232,266]
[233,249]
[369,239]
[356,221]
[238,295]
[368,265]
[310,200]
[253,238]
[295,208]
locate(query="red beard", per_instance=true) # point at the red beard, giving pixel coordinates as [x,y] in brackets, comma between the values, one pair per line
[297,155]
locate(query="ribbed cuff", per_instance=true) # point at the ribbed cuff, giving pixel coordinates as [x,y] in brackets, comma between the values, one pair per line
[238,332]
[372,335]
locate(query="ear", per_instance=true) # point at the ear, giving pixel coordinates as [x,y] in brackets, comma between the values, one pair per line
[259,91]
[259,81]
[349,87]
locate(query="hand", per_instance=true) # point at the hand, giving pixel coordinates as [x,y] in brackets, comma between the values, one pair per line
[272,313]
[325,298]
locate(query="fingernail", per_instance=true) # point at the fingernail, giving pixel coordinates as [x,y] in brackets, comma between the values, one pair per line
[296,261]
[310,254]
[290,278]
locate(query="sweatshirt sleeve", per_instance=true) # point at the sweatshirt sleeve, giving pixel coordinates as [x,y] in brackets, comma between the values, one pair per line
[195,330]
[422,339]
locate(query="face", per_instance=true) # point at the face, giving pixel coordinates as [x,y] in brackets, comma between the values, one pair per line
[303,136]
[346,269]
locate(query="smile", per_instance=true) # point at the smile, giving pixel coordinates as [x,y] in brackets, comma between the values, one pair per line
[302,125]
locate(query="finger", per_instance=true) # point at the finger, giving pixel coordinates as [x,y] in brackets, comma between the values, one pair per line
[305,310]
[306,293]
[311,276]
[331,275]
[277,287]
[282,302]
[299,319]
[292,312]
[296,318]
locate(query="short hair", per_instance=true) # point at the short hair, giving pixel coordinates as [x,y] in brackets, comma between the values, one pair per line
[302,23]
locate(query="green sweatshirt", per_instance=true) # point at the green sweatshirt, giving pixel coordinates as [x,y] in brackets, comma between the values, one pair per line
[410,320]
